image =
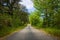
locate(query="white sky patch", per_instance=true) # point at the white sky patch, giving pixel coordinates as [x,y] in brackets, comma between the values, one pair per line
[27,3]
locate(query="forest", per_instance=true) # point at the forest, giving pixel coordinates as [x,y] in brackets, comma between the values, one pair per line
[46,16]
[15,16]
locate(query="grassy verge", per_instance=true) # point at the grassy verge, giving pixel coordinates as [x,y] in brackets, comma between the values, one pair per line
[6,31]
[53,31]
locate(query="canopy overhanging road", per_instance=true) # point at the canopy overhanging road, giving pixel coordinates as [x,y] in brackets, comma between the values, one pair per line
[30,33]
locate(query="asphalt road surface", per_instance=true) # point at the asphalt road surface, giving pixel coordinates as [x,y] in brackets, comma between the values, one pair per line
[30,33]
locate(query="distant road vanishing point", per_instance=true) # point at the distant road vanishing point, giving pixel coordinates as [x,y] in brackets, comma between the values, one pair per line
[30,33]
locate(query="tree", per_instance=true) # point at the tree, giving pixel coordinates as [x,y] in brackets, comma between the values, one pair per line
[35,19]
[12,14]
[50,9]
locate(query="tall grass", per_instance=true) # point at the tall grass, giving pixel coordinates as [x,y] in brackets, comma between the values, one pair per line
[53,31]
[6,31]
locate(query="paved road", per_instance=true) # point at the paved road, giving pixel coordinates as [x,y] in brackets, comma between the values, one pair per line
[30,33]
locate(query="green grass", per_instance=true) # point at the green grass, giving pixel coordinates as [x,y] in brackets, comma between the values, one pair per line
[49,30]
[6,31]
[53,31]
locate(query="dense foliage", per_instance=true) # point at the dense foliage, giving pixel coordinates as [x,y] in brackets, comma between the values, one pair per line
[35,19]
[12,16]
[49,11]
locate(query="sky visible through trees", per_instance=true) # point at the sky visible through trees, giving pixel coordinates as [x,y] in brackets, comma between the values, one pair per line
[29,5]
